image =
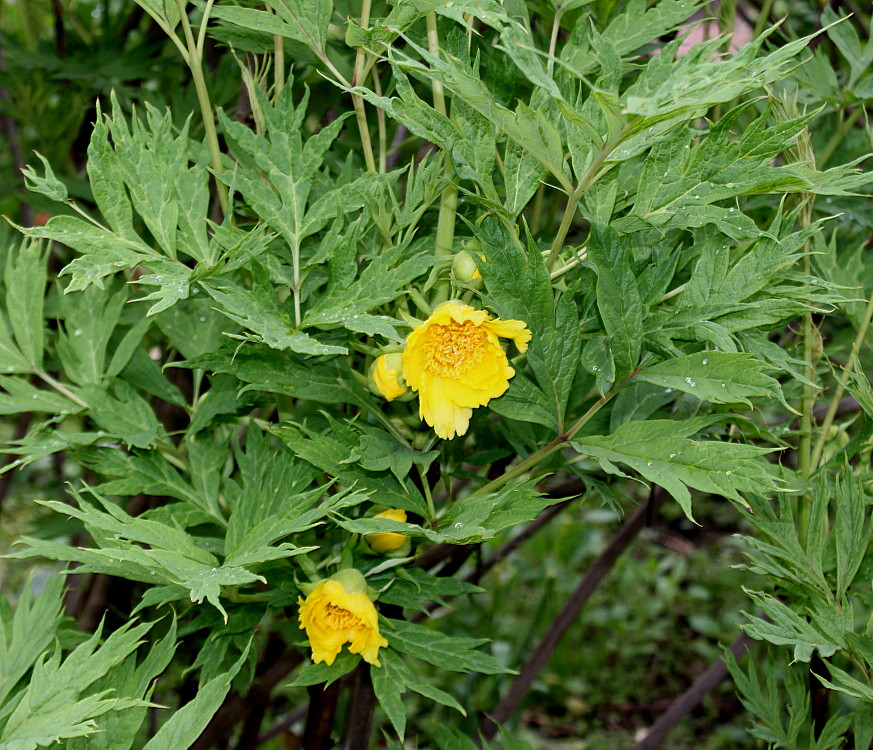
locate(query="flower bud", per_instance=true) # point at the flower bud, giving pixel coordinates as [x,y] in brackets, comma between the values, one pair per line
[464,268]
[388,541]
[386,376]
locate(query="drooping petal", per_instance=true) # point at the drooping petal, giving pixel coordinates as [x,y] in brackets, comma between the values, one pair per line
[516,330]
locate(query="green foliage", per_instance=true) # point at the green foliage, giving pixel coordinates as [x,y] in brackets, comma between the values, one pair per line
[242,238]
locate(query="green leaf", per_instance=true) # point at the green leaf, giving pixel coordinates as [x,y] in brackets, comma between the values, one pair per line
[90,317]
[393,679]
[519,288]
[525,402]
[103,253]
[389,686]
[184,727]
[845,683]
[21,397]
[107,182]
[55,706]
[29,633]
[49,186]
[784,627]
[718,377]
[123,413]
[150,473]
[269,325]
[618,298]
[279,372]
[316,674]
[661,451]
[11,358]
[379,451]
[304,22]
[25,293]
[597,359]
[444,651]
[851,530]
[330,453]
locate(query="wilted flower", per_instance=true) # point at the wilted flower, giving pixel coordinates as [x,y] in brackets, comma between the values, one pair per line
[339,611]
[455,362]
[386,377]
[388,541]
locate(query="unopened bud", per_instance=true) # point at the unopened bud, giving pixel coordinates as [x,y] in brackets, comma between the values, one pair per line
[386,376]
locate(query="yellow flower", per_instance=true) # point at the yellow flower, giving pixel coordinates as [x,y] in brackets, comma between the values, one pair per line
[455,362]
[338,611]
[388,541]
[386,377]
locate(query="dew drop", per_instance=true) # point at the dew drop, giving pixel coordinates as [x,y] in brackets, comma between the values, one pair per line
[77,332]
[594,368]
[648,463]
[459,526]
[706,361]
[668,390]
[691,382]
[723,385]
[731,210]
[118,264]
[202,318]
[728,473]
[673,455]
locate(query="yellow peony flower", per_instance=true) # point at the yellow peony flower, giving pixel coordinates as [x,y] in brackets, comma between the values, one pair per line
[385,376]
[338,611]
[388,541]
[455,362]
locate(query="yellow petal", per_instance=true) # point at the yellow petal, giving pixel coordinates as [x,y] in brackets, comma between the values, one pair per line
[516,330]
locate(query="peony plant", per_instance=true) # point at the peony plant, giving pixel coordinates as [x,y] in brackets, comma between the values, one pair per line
[355,302]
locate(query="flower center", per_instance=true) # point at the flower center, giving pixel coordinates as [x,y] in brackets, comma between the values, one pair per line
[338,618]
[450,350]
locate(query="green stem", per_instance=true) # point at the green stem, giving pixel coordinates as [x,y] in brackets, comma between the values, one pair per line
[201,36]
[427,493]
[195,65]
[60,388]
[358,103]
[433,46]
[837,138]
[553,42]
[581,256]
[841,388]
[445,235]
[557,444]
[165,27]
[588,179]
[381,123]
[763,18]
[673,292]
[536,219]
[279,63]
[808,402]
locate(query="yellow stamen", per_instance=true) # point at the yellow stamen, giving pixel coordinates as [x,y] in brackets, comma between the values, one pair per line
[453,349]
